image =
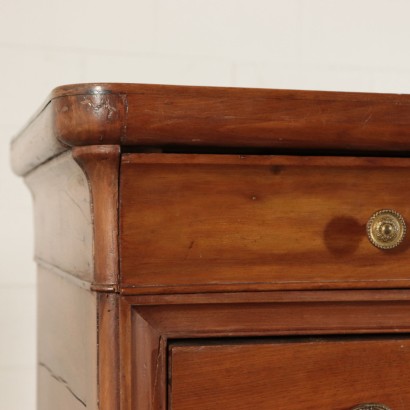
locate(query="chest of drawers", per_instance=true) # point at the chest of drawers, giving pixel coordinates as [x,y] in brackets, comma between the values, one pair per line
[213,248]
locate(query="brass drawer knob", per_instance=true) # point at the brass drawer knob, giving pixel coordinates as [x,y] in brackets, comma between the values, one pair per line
[371,406]
[386,229]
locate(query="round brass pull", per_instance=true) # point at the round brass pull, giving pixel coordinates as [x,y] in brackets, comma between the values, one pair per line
[371,406]
[386,229]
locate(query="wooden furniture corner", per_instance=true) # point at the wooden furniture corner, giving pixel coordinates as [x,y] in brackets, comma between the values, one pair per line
[214,248]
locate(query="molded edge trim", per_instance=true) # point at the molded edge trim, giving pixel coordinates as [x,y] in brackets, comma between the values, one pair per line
[101,164]
[167,115]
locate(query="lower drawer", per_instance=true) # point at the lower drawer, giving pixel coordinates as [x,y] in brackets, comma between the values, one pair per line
[287,375]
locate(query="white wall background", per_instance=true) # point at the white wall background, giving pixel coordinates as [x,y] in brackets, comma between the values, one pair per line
[351,45]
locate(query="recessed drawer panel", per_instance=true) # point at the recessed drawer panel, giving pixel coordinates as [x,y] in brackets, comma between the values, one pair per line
[309,375]
[228,222]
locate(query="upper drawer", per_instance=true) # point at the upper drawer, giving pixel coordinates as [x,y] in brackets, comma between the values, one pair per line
[227,222]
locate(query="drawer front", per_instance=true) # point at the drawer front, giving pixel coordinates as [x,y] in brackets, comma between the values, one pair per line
[221,222]
[309,375]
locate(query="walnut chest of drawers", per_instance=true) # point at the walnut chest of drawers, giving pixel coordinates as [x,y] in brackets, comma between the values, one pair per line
[213,248]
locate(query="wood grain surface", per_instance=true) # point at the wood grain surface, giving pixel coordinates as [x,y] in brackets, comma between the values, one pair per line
[158,115]
[218,222]
[62,216]
[163,116]
[67,344]
[290,374]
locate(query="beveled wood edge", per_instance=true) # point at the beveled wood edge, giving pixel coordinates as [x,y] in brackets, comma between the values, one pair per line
[149,369]
[142,362]
[264,160]
[138,289]
[284,296]
[101,164]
